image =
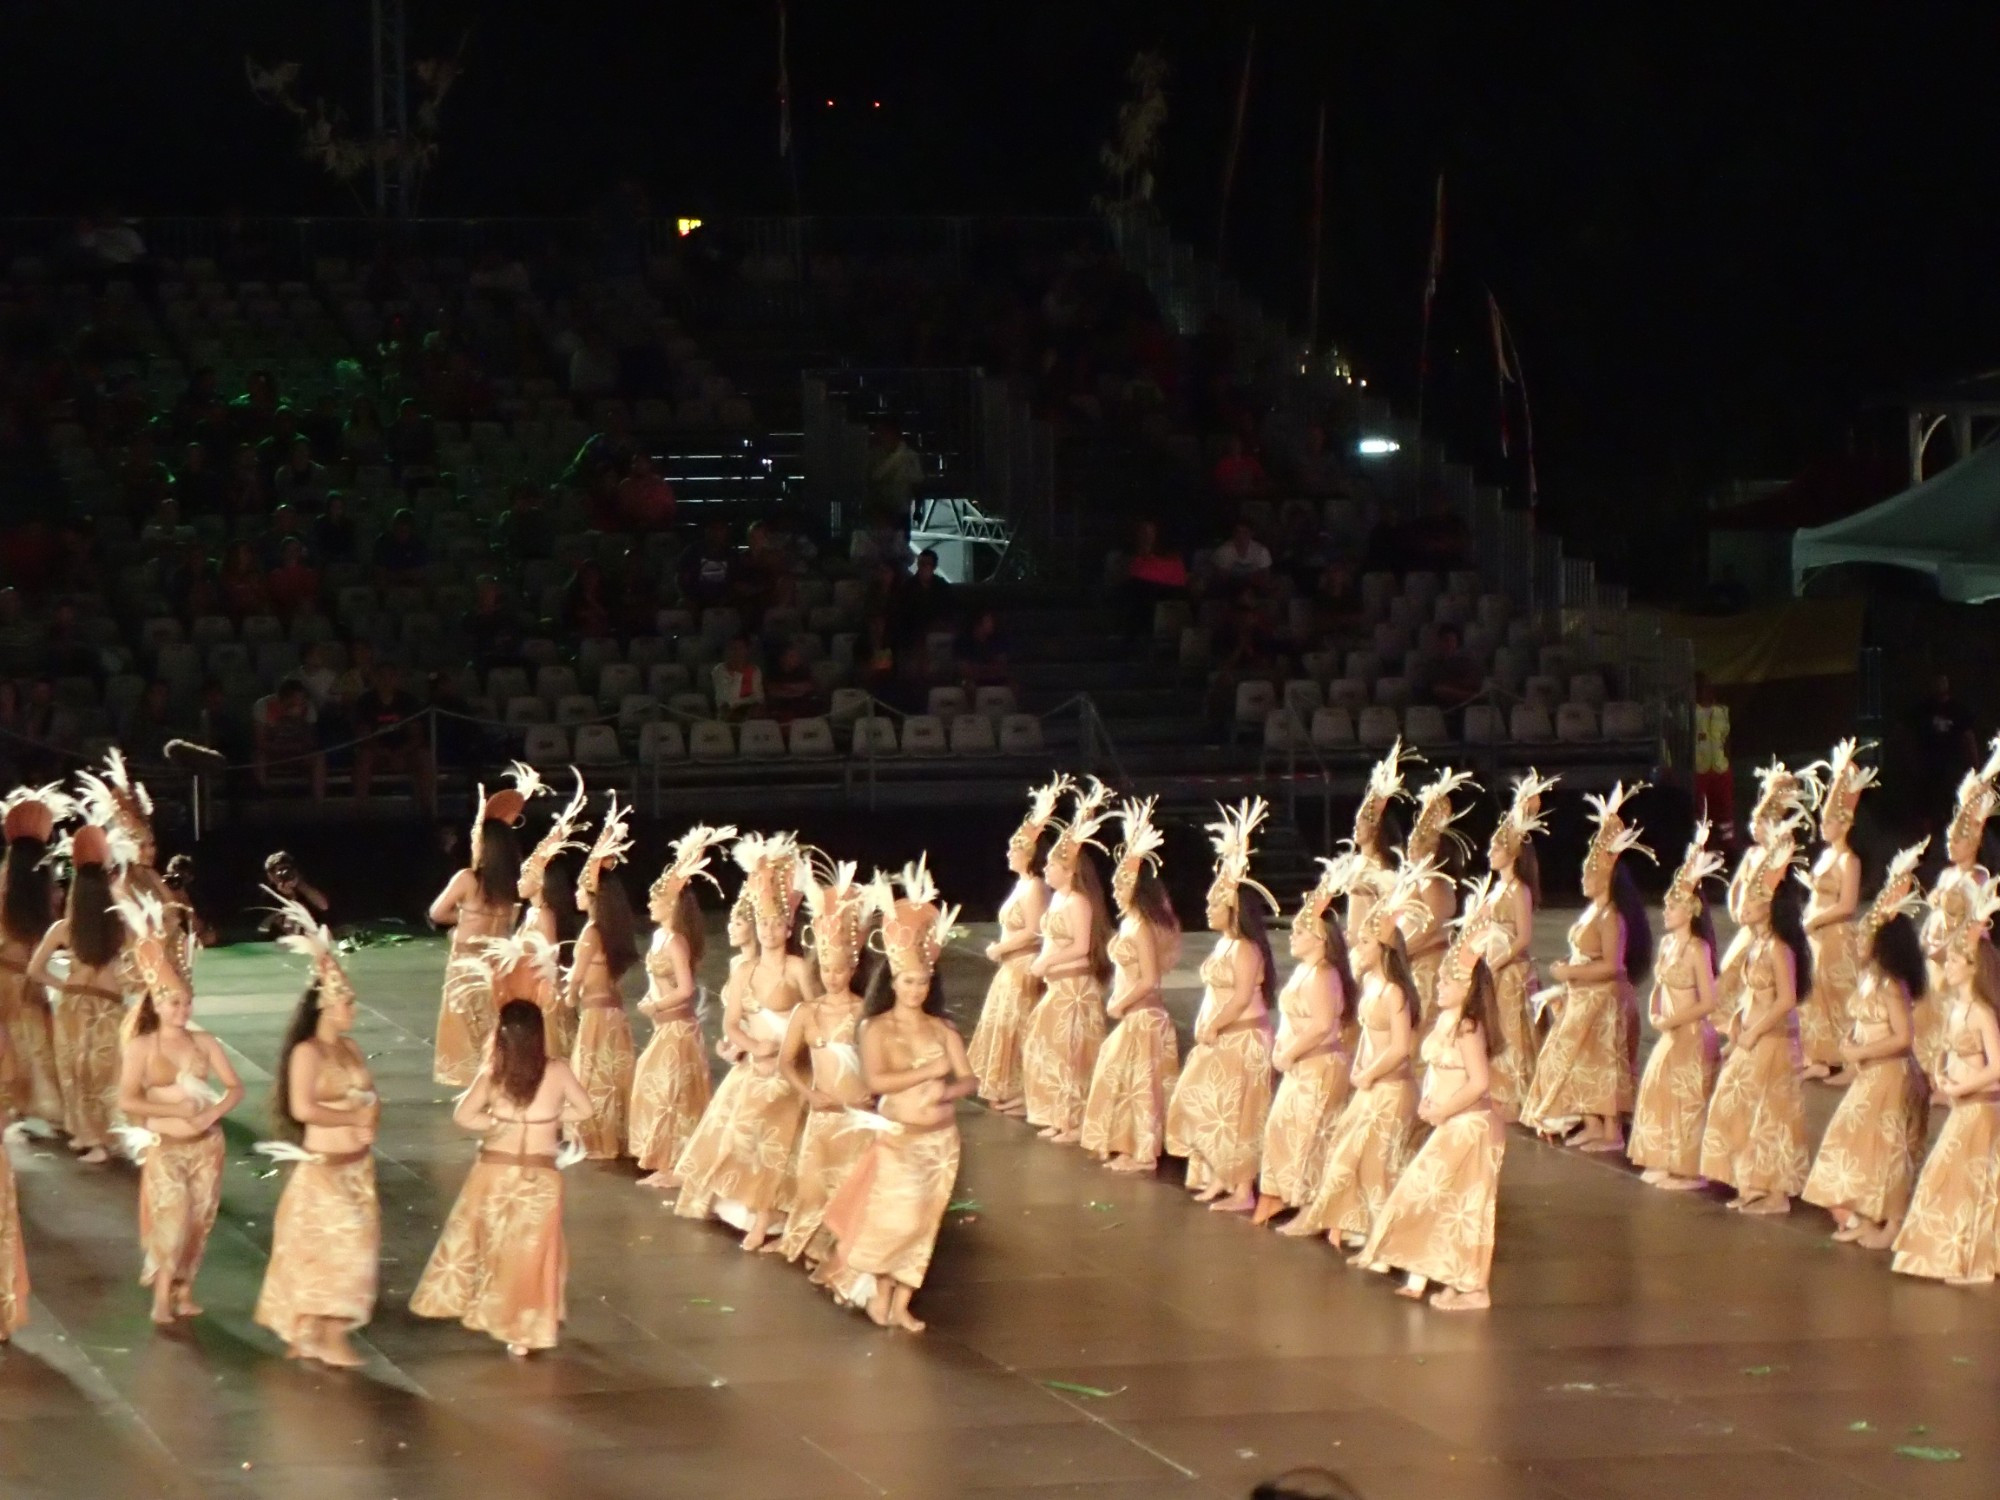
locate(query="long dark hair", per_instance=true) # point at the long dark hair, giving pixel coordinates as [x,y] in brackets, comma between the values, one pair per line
[499,868]
[1091,885]
[1638,923]
[881,993]
[1788,925]
[25,917]
[1150,901]
[1342,964]
[687,923]
[96,931]
[617,929]
[1703,927]
[1482,1009]
[1528,869]
[520,1051]
[1250,926]
[302,1028]
[1896,951]
[1388,838]
[559,896]
[1396,969]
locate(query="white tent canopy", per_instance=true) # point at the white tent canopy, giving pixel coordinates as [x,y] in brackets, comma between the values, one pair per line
[1947,527]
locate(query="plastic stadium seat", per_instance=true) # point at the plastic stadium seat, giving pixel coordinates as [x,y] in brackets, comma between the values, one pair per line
[552,683]
[712,740]
[1254,701]
[947,702]
[210,630]
[665,678]
[1510,667]
[762,739]
[526,708]
[1377,589]
[1197,643]
[229,659]
[873,735]
[1404,615]
[1558,662]
[645,650]
[597,745]
[614,680]
[811,739]
[1021,734]
[661,740]
[1529,724]
[1623,720]
[923,734]
[1576,723]
[1483,725]
[635,709]
[1332,729]
[1319,665]
[1493,611]
[1283,730]
[161,631]
[576,708]
[540,651]
[1425,725]
[1350,693]
[1364,665]
[690,705]
[995,702]
[972,734]
[1304,697]
[1587,687]
[593,654]
[847,704]
[275,659]
[1392,692]
[1378,727]
[1422,585]
[257,629]
[1543,691]
[546,744]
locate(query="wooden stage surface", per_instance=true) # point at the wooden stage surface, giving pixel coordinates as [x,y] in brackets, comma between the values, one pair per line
[1641,1344]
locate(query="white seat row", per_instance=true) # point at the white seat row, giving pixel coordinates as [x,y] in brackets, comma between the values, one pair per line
[1375,726]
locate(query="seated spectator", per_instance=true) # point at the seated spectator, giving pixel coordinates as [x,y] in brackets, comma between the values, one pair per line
[319,676]
[1455,678]
[397,741]
[883,542]
[981,654]
[738,681]
[219,725]
[921,603]
[1238,475]
[401,558]
[763,574]
[526,533]
[894,472]
[192,588]
[1337,594]
[149,724]
[144,479]
[588,608]
[284,735]
[1152,575]
[1242,561]
[1316,467]
[1246,649]
[875,663]
[165,533]
[197,485]
[53,729]
[355,680]
[789,688]
[286,524]
[494,626]
[708,568]
[593,366]
[645,500]
[362,439]
[241,579]
[301,479]
[410,440]
[293,585]
[253,414]
[64,650]
[333,533]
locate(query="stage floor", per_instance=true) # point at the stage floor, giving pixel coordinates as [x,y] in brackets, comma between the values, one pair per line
[1641,1344]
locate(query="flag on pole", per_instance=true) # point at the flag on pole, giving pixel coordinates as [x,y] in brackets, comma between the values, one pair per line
[784,88]
[1507,372]
[1431,275]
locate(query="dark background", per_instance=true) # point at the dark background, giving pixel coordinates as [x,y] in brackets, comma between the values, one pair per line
[1716,229]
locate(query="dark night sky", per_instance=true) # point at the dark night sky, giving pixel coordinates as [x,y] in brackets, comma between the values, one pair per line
[1715,228]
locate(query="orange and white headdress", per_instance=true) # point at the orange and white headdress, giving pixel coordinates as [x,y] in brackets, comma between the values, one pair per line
[122,805]
[914,927]
[505,806]
[1400,910]
[308,937]
[1612,837]
[518,967]
[1471,931]
[1435,815]
[839,907]
[32,812]
[1337,877]
[1844,780]
[1089,811]
[614,842]
[1698,865]
[1978,794]
[1233,837]
[690,861]
[1784,796]
[1385,785]
[1899,896]
[560,837]
[160,955]
[1765,868]
[1041,813]
[775,871]
[1139,848]
[1523,817]
[1978,901]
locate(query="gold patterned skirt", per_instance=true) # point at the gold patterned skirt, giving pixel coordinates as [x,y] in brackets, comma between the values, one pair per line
[829,1146]
[501,1264]
[886,1216]
[604,1063]
[1585,1067]
[1303,1116]
[13,1255]
[1927,1024]
[1874,1144]
[87,1056]
[1366,1155]
[464,1026]
[1217,1114]
[995,1050]
[1755,1139]
[180,1193]
[1424,969]
[1438,1220]
[1672,1107]
[32,1082]
[670,1089]
[1513,1070]
[326,1247]
[1824,1010]
[1059,1051]
[559,1025]
[1125,1113]
[1952,1231]
[743,1168]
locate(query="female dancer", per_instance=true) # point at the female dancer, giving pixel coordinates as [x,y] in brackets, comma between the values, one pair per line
[500,1264]
[1672,1105]
[1125,1115]
[1374,838]
[823,1063]
[1829,921]
[1059,1049]
[1949,1233]
[26,904]
[1785,799]
[711,1131]
[123,808]
[670,1085]
[1311,1055]
[1219,1107]
[884,1220]
[1755,1139]
[167,1081]
[1437,1225]
[326,1241]
[13,1249]
[1371,1140]
[93,935]
[742,1171]
[553,915]
[1949,902]
[1010,998]
[1868,1158]
[1508,915]
[605,949]
[1586,1067]
[1427,838]
[479,902]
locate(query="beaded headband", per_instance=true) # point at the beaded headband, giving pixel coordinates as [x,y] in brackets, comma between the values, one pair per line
[1232,838]
[1524,814]
[614,842]
[1700,863]
[560,837]
[1041,813]
[308,937]
[1612,837]
[1899,896]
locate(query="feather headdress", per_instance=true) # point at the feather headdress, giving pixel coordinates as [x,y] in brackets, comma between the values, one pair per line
[1977,795]
[1399,907]
[33,812]
[690,861]
[1041,813]
[1768,863]
[1336,878]
[614,842]
[914,931]
[1435,814]
[1699,864]
[1089,811]
[560,838]
[116,800]
[1523,817]
[1612,837]
[1139,848]
[505,806]
[1784,796]
[1978,901]
[1899,896]
[1385,785]
[775,871]
[1233,837]
[159,954]
[519,967]
[839,907]
[1844,781]
[1470,931]
[308,937]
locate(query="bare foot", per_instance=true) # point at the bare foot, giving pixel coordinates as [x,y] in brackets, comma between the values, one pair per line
[1652,1176]
[1268,1208]
[1235,1203]
[1604,1143]
[1769,1203]
[184,1304]
[1413,1288]
[755,1235]
[1208,1194]
[904,1319]
[1878,1237]
[1672,1184]
[878,1309]
[517,1351]
[163,1310]
[336,1351]
[1452,1300]
[1297,1228]
[664,1182]
[1849,1232]
[1066,1137]
[1358,1259]
[772,1246]
[96,1156]
[1049,1132]
[1813,1072]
